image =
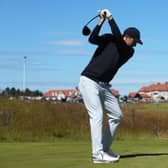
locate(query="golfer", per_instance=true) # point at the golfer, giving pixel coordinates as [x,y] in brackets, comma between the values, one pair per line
[113,50]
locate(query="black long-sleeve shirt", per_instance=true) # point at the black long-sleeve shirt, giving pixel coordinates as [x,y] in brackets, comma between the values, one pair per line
[112,52]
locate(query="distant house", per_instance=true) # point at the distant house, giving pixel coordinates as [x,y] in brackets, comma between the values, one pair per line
[61,95]
[68,94]
[132,95]
[137,95]
[156,91]
[115,93]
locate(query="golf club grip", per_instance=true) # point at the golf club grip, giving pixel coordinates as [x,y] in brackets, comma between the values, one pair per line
[105,13]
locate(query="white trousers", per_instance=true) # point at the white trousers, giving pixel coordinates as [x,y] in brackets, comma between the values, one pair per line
[99,100]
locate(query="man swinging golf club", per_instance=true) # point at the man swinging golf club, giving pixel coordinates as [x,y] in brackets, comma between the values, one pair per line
[112,52]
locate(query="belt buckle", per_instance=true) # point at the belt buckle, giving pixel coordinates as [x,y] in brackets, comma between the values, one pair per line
[104,84]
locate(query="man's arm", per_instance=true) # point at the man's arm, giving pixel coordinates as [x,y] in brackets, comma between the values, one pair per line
[94,37]
[115,29]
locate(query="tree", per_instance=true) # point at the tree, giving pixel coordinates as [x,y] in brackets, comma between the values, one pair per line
[12,92]
[18,92]
[27,92]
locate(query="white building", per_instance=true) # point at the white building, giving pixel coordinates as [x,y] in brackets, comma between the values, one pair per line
[156,91]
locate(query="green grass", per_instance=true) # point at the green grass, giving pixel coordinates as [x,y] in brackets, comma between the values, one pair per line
[147,107]
[66,153]
[40,120]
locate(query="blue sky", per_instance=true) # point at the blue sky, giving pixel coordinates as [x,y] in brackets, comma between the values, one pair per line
[48,32]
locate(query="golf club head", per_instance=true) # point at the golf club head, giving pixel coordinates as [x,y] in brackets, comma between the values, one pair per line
[85,31]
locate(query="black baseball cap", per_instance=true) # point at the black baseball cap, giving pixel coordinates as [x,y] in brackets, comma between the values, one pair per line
[134,33]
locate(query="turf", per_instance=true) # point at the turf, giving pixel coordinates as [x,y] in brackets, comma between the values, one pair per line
[76,154]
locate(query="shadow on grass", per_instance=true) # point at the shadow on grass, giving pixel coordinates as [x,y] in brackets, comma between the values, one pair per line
[142,155]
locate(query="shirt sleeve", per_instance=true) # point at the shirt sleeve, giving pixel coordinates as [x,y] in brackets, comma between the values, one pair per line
[94,37]
[115,30]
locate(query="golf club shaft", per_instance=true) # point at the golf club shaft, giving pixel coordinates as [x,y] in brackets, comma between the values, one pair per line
[94,18]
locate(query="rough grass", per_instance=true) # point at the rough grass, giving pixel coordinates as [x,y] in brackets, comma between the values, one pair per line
[36,121]
[146,119]
[66,153]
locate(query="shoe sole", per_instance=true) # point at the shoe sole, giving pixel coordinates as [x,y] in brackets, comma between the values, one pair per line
[104,161]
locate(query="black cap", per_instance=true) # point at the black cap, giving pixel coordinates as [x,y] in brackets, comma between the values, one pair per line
[134,33]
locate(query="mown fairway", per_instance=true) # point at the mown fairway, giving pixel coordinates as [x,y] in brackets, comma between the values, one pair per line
[64,153]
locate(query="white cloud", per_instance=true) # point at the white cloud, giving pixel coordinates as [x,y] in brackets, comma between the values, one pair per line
[36,67]
[145,73]
[132,81]
[9,61]
[138,81]
[153,52]
[66,42]
[22,53]
[61,52]
[59,33]
[71,52]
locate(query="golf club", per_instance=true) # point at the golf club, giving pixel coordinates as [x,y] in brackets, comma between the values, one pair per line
[86,30]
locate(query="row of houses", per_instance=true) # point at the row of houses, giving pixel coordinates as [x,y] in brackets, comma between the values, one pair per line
[62,95]
[155,92]
[68,95]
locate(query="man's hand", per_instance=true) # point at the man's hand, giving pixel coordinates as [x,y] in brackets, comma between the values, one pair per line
[102,17]
[106,13]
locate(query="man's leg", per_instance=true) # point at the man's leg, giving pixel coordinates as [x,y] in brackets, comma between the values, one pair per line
[115,114]
[90,93]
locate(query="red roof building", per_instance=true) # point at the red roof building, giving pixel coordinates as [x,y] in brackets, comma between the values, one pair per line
[65,92]
[155,87]
[156,91]
[115,92]
[71,93]
[132,94]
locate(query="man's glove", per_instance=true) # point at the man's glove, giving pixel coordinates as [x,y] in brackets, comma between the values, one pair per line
[105,12]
